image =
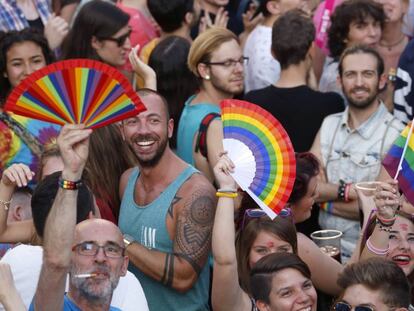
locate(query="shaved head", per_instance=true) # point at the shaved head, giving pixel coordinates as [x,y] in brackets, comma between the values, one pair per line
[94,229]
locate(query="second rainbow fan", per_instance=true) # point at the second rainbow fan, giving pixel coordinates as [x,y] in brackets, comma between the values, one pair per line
[75,91]
[262,152]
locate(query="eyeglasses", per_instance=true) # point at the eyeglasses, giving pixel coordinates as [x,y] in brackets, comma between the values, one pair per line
[120,41]
[258,213]
[110,249]
[343,306]
[230,63]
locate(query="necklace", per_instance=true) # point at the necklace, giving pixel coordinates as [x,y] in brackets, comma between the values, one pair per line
[390,46]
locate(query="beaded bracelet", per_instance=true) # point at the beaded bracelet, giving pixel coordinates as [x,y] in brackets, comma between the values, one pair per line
[6,204]
[231,195]
[341,190]
[386,222]
[69,185]
[327,207]
[376,251]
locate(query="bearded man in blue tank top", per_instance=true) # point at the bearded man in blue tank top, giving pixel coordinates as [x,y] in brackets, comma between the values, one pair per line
[166,215]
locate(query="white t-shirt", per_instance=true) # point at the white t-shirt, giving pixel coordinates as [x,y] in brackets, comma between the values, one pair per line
[262,69]
[26,261]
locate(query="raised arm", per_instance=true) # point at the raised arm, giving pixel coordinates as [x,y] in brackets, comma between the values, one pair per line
[17,175]
[73,143]
[195,203]
[324,269]
[387,202]
[226,292]
[9,297]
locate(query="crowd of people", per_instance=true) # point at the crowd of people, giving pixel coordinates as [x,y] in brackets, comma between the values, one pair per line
[144,214]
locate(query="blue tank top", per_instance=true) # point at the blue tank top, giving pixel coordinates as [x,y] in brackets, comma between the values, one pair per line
[147,225]
[188,126]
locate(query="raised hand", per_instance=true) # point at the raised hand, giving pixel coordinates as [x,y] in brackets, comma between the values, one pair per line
[17,175]
[250,23]
[56,30]
[142,69]
[222,172]
[221,20]
[73,142]
[387,199]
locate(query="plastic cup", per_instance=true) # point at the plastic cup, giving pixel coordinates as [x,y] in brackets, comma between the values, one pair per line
[329,241]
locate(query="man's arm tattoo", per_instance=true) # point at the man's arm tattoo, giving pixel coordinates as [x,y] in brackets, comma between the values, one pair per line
[194,227]
[171,208]
[168,275]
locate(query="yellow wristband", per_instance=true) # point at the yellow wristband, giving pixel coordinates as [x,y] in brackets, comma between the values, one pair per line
[231,195]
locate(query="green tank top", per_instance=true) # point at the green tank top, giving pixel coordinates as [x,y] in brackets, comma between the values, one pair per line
[147,224]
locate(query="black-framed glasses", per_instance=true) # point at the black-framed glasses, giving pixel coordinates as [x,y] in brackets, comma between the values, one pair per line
[230,63]
[258,213]
[89,248]
[344,306]
[120,41]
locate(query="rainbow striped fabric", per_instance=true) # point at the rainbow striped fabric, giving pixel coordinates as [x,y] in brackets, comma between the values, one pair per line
[391,161]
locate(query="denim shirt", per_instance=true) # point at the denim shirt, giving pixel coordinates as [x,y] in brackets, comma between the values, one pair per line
[354,155]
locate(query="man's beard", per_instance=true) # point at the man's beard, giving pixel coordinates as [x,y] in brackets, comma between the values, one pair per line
[151,162]
[361,104]
[86,288]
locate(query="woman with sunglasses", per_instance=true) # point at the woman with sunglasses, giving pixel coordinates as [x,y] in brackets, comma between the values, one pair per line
[100,32]
[390,231]
[375,284]
[258,237]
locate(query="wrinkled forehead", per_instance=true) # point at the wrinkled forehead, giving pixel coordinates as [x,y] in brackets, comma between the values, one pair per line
[97,230]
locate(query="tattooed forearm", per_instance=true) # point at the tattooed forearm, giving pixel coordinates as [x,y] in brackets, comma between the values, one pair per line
[194,227]
[168,276]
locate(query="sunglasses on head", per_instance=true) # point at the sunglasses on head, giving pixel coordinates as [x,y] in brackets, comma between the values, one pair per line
[258,213]
[344,306]
[120,41]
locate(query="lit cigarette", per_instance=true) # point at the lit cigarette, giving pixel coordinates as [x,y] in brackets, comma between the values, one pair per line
[84,275]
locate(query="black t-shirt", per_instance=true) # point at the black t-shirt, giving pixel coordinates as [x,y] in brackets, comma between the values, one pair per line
[300,110]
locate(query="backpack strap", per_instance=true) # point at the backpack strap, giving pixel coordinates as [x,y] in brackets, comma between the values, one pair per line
[201,142]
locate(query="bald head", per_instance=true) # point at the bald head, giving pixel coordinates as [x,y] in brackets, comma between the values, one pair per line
[99,230]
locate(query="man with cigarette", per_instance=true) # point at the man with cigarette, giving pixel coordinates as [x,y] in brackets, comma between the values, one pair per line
[92,251]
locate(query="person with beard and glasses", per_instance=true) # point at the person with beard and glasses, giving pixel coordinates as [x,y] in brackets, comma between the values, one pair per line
[92,252]
[166,214]
[350,145]
[217,60]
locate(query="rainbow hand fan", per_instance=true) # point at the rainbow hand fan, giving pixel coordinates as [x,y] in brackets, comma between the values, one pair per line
[75,91]
[261,150]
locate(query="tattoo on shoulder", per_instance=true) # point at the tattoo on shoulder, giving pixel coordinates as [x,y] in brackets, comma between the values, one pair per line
[194,227]
[171,208]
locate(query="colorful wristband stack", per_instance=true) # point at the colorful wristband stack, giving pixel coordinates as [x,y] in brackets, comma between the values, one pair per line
[327,207]
[226,193]
[376,251]
[69,185]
